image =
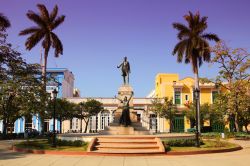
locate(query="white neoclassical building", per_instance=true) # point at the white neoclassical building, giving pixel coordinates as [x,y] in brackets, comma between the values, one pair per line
[98,122]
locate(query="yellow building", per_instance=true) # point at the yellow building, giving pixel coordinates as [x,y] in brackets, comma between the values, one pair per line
[181,91]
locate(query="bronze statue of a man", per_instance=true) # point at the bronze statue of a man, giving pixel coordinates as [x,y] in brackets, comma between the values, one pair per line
[125,69]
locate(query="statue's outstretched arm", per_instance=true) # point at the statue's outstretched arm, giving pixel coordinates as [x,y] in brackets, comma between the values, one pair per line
[132,94]
[118,99]
[119,65]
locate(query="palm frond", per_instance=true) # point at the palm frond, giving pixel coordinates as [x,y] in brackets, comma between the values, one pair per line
[206,51]
[58,21]
[29,30]
[188,53]
[200,61]
[44,12]
[57,44]
[34,39]
[211,36]
[36,18]
[183,30]
[4,21]
[201,25]
[53,14]
[180,49]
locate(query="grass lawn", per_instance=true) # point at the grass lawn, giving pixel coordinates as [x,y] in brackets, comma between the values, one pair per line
[208,145]
[44,145]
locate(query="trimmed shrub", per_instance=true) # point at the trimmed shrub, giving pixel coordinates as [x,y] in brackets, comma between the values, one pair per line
[211,135]
[180,142]
[76,143]
[242,136]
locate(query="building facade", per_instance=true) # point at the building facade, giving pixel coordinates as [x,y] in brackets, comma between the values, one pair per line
[181,91]
[97,123]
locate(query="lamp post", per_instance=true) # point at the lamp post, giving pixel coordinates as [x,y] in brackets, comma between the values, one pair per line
[54,93]
[197,134]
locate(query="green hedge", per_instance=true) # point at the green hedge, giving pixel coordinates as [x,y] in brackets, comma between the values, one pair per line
[180,142]
[76,143]
[242,135]
[12,136]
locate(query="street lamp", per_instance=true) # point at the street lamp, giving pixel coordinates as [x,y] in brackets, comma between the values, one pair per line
[197,134]
[54,94]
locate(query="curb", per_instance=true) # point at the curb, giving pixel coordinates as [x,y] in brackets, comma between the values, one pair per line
[206,151]
[54,152]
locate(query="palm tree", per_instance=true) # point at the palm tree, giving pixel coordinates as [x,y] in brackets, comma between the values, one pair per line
[193,46]
[45,25]
[4,23]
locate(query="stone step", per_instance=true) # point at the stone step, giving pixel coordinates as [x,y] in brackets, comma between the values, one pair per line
[119,128]
[125,141]
[128,151]
[127,146]
[116,132]
[127,137]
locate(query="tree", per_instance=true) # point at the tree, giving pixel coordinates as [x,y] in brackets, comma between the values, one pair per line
[164,108]
[20,88]
[87,109]
[46,24]
[234,78]
[64,110]
[193,46]
[205,112]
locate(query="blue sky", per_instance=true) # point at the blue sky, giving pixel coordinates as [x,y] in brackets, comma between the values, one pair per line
[97,34]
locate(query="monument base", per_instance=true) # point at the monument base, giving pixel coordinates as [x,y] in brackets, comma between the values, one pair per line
[116,129]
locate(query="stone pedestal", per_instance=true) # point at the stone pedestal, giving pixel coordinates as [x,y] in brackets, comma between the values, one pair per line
[125,90]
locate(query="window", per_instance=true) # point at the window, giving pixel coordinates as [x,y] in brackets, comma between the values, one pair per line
[76,123]
[186,97]
[177,97]
[214,96]
[93,123]
[153,122]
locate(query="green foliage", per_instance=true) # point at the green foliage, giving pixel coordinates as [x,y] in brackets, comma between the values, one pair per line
[180,142]
[64,109]
[20,86]
[234,70]
[205,112]
[164,108]
[211,135]
[242,136]
[76,143]
[10,136]
[84,110]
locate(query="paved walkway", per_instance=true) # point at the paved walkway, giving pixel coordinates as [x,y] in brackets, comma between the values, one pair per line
[238,158]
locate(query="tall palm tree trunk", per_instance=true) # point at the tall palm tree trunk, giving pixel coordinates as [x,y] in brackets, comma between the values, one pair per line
[197,88]
[44,80]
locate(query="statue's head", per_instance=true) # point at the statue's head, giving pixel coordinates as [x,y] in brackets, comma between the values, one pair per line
[125,58]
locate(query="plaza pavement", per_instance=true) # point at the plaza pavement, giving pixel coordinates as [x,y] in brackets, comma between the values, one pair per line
[238,158]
